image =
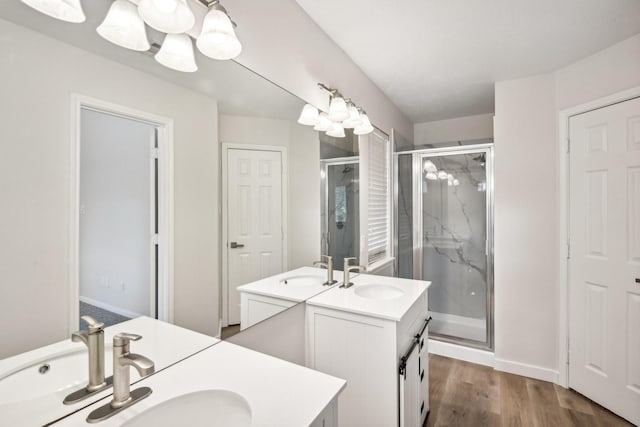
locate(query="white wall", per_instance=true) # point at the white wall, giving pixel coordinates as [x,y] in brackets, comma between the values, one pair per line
[115,213]
[303,192]
[296,54]
[39,76]
[527,201]
[458,129]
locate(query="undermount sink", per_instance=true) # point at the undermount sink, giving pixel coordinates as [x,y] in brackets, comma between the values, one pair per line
[302,280]
[211,408]
[378,292]
[60,372]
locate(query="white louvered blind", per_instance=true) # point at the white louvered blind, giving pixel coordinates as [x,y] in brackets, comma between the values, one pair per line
[378,198]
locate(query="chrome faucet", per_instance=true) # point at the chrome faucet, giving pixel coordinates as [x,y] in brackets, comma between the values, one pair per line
[346,283]
[123,359]
[93,338]
[329,266]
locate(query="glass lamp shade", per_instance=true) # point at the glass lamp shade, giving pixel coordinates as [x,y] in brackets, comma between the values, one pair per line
[324,124]
[64,10]
[218,40]
[124,27]
[354,119]
[338,109]
[429,166]
[456,182]
[432,176]
[337,131]
[168,16]
[443,175]
[309,115]
[177,53]
[365,127]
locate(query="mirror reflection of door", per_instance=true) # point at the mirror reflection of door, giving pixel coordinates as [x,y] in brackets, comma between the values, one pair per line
[254,221]
[341,210]
[118,216]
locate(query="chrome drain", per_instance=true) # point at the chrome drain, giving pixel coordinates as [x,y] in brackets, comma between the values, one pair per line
[44,368]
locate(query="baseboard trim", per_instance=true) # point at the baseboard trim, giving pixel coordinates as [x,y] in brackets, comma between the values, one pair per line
[526,370]
[468,354]
[111,308]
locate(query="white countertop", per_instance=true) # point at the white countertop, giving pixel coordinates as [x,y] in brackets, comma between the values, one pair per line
[390,309]
[275,287]
[159,343]
[279,393]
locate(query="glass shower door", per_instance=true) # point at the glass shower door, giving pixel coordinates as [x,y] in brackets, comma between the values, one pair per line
[452,212]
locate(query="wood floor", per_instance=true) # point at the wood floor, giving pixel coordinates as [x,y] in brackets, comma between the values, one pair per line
[465,394]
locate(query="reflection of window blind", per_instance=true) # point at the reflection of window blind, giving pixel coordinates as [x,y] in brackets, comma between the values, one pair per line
[378,197]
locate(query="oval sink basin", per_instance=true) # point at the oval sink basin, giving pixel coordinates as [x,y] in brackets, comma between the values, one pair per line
[212,408]
[378,292]
[303,280]
[61,373]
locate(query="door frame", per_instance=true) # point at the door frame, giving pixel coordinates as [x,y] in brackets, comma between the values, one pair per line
[224,248]
[165,267]
[564,247]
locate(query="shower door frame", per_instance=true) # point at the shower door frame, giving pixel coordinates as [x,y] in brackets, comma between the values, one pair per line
[418,157]
[325,238]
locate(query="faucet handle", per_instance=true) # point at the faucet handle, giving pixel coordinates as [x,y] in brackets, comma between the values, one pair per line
[123,339]
[93,324]
[327,257]
[347,261]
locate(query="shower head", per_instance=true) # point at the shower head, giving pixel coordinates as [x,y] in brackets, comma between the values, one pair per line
[346,169]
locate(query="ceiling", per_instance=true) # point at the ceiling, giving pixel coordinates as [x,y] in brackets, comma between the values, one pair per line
[439,59]
[238,90]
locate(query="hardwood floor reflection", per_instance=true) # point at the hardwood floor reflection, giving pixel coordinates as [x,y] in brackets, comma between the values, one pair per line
[466,394]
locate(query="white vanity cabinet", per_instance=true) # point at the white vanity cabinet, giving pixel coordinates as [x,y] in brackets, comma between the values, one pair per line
[362,341]
[255,308]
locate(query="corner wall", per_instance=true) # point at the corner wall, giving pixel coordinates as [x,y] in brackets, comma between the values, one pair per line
[527,204]
[459,129]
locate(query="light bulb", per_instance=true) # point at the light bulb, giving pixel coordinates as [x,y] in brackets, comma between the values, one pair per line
[432,176]
[309,115]
[217,39]
[177,53]
[338,109]
[324,124]
[354,118]
[336,131]
[168,16]
[365,127]
[64,10]
[124,27]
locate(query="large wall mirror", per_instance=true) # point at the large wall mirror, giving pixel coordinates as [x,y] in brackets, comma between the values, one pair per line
[133,190]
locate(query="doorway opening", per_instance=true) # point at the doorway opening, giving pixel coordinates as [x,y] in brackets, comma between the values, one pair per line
[121,215]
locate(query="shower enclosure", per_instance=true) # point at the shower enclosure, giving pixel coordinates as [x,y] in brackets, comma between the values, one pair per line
[340,210]
[444,230]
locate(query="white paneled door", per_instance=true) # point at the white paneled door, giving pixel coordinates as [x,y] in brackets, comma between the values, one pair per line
[604,265]
[254,220]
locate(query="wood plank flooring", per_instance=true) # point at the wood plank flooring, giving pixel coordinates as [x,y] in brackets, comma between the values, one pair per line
[465,394]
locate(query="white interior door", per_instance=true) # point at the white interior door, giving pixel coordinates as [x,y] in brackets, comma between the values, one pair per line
[254,220]
[604,266]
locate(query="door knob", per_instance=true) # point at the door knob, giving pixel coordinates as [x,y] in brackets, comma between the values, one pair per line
[234,245]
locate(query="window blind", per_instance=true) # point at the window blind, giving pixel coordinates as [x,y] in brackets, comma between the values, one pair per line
[378,198]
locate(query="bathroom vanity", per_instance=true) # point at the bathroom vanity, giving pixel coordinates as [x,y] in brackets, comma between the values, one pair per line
[373,334]
[264,298]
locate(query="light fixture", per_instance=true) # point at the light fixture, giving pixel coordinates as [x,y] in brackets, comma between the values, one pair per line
[365,127]
[336,131]
[124,27]
[443,175]
[64,10]
[429,166]
[168,16]
[217,39]
[338,109]
[432,176]
[354,118]
[324,124]
[456,182]
[177,53]
[309,115]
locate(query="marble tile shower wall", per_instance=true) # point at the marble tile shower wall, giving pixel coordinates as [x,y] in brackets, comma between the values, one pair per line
[454,238]
[343,222]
